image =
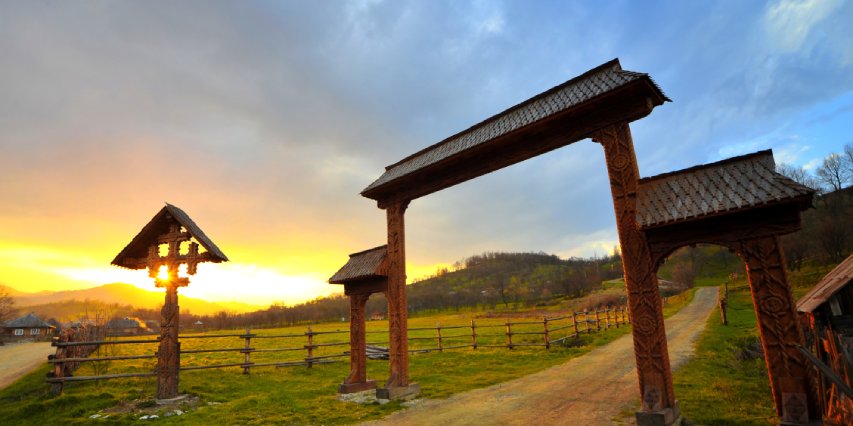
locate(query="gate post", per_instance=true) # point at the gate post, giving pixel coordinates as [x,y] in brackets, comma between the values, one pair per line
[659,406]
[398,385]
[357,379]
[776,312]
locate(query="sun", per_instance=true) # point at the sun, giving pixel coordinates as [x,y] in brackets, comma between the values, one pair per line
[163,273]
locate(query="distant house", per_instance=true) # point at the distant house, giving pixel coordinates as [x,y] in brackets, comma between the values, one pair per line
[27,327]
[126,327]
[377,316]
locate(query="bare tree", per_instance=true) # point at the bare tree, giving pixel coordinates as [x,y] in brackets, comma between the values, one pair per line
[7,305]
[684,273]
[796,174]
[847,159]
[832,172]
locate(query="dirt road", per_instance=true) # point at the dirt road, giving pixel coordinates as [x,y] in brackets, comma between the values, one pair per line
[588,390]
[18,359]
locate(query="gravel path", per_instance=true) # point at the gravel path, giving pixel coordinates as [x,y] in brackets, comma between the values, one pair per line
[589,390]
[18,359]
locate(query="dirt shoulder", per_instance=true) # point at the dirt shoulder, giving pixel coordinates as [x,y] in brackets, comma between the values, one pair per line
[591,389]
[18,359]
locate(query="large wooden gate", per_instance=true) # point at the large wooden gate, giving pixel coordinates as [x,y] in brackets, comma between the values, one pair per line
[598,104]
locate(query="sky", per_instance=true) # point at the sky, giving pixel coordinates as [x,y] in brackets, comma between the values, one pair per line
[265,120]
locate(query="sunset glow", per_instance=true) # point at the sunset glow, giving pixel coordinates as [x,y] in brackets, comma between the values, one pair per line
[265,125]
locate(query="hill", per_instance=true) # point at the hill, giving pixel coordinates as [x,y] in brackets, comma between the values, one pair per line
[486,281]
[503,278]
[70,303]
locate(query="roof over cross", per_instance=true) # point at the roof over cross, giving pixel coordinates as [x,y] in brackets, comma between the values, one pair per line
[170,226]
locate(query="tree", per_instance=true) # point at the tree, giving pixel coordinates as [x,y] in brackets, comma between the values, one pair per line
[7,305]
[847,159]
[832,172]
[797,174]
[684,273]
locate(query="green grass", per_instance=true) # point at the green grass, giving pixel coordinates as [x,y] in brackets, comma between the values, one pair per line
[294,395]
[297,395]
[717,388]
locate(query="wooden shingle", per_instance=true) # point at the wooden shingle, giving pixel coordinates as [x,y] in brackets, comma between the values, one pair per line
[362,265]
[575,93]
[727,186]
[134,254]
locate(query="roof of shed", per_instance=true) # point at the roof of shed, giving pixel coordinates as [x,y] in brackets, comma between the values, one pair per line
[361,265]
[159,224]
[581,89]
[827,286]
[29,320]
[727,186]
[126,323]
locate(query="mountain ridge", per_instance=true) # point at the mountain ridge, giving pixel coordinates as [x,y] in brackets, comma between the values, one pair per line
[124,294]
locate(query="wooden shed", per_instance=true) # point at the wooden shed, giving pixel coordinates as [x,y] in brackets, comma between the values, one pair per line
[127,326]
[827,314]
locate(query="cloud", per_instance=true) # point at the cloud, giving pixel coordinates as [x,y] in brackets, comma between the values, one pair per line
[789,22]
[264,121]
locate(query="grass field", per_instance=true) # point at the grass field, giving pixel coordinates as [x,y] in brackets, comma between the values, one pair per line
[297,395]
[717,387]
[293,395]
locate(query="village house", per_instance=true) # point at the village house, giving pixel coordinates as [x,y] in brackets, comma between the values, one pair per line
[27,327]
[126,327]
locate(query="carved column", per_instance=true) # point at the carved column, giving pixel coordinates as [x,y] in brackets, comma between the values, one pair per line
[169,354]
[776,313]
[398,381]
[357,379]
[650,347]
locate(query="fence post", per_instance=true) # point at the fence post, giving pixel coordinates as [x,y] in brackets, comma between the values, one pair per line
[438,329]
[597,321]
[607,316]
[547,338]
[473,334]
[58,367]
[246,354]
[508,334]
[586,320]
[310,348]
[575,323]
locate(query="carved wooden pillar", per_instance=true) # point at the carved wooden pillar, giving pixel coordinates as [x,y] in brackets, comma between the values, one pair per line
[169,355]
[775,310]
[357,379]
[398,381]
[650,347]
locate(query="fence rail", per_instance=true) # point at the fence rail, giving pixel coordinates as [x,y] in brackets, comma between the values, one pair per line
[264,350]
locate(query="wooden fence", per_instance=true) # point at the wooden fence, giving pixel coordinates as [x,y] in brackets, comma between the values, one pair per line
[258,349]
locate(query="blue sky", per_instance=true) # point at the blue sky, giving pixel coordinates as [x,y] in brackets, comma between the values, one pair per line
[264,120]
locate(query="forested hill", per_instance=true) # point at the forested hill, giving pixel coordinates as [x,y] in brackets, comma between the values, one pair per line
[502,278]
[485,280]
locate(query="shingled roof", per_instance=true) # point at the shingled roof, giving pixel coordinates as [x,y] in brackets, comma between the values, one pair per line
[29,320]
[834,281]
[362,265]
[726,186]
[569,95]
[159,224]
